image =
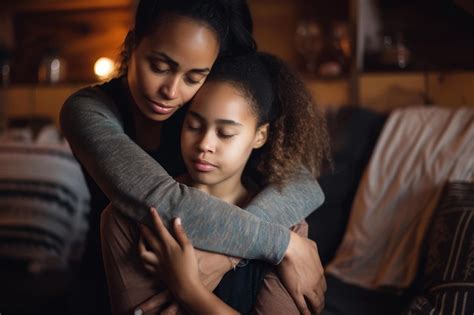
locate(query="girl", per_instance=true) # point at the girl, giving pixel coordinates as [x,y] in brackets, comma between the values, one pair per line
[252,114]
[113,130]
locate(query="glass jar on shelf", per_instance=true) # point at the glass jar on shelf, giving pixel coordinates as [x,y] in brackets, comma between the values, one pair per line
[309,43]
[395,52]
[52,68]
[335,58]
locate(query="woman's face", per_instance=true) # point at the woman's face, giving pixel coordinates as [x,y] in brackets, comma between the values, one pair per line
[168,66]
[219,133]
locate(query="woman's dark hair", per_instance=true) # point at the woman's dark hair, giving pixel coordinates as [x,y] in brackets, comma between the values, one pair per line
[297,135]
[229,19]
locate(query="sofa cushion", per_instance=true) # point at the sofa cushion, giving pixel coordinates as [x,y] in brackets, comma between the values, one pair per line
[43,201]
[418,151]
[448,280]
[353,131]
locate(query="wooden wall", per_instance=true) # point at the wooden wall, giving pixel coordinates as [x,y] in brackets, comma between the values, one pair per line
[85,30]
[80,36]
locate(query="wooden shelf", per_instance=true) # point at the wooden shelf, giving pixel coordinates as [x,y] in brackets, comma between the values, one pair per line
[53,5]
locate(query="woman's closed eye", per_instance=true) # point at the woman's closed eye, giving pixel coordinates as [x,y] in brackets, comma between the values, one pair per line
[159,66]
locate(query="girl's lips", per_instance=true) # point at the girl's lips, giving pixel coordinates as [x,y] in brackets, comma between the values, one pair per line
[203,166]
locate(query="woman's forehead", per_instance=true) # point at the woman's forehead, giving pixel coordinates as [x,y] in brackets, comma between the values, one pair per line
[189,43]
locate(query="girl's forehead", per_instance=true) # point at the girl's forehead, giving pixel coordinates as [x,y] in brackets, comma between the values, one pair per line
[223,100]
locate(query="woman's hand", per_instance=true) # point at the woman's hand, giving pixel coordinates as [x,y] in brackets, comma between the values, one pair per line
[302,274]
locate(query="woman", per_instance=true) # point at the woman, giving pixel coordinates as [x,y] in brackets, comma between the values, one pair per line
[125,130]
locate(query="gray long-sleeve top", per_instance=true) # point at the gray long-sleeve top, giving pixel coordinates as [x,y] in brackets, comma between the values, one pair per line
[133,181]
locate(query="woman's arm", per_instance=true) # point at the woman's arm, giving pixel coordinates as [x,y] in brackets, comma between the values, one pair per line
[297,199]
[134,181]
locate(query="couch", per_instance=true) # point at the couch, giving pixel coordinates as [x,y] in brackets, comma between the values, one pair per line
[360,279]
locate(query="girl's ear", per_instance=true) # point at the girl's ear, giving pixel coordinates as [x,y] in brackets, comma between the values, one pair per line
[261,136]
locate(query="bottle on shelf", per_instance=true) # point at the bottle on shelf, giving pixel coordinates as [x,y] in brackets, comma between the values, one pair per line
[52,68]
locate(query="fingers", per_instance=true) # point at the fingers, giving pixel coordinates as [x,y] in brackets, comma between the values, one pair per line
[148,257]
[154,303]
[315,302]
[301,304]
[150,238]
[173,309]
[163,232]
[180,234]
[151,269]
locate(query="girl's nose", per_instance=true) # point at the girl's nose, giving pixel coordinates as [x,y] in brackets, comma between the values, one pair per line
[207,143]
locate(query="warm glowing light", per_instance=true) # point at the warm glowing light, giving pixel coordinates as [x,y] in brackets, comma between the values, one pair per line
[104,68]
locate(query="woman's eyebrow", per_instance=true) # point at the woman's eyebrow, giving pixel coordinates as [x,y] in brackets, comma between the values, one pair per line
[218,121]
[166,58]
[175,64]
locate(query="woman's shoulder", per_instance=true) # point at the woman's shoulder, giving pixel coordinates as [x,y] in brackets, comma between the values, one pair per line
[98,93]
[95,99]
[93,105]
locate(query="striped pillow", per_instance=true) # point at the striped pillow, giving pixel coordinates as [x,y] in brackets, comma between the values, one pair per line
[44,203]
[449,270]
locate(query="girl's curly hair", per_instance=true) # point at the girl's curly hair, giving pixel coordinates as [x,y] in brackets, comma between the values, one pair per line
[297,128]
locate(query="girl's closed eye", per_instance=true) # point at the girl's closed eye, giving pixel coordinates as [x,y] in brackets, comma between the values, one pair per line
[226,134]
[193,125]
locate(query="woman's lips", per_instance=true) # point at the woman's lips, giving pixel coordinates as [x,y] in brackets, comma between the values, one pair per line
[203,166]
[161,108]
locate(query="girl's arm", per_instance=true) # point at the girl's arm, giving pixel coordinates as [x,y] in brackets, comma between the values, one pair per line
[179,268]
[134,181]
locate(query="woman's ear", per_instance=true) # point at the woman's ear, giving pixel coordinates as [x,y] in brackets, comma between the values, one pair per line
[261,136]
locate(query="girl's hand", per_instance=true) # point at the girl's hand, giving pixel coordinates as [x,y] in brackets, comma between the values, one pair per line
[302,274]
[176,261]
[148,257]
[160,300]
[174,258]
[212,266]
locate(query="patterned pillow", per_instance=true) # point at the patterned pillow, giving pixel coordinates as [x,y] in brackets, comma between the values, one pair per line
[448,280]
[44,202]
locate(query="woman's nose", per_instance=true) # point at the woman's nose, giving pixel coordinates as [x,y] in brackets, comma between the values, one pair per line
[170,87]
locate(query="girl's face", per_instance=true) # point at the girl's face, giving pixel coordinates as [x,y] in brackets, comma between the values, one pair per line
[219,133]
[168,66]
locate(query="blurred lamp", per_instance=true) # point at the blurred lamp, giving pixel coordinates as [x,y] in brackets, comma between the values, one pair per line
[104,68]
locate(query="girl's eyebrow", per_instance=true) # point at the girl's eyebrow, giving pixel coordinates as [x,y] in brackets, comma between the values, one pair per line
[175,64]
[218,121]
